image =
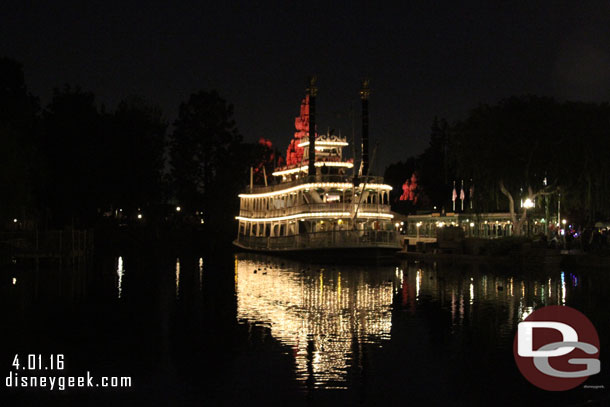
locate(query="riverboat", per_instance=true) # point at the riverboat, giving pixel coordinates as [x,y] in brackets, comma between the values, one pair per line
[317,201]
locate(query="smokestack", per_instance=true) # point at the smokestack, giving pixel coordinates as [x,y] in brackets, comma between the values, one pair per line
[364,96]
[312,91]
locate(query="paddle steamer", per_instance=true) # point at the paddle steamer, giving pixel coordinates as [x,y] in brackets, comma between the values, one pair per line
[317,202]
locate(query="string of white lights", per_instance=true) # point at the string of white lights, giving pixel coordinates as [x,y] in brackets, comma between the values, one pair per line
[318,164]
[318,215]
[316,185]
[325,143]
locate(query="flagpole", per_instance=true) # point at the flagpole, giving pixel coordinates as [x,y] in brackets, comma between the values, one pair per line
[462,196]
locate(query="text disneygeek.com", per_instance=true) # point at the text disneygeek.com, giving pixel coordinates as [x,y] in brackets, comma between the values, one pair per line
[23,375]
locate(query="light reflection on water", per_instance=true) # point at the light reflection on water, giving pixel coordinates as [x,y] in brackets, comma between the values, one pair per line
[200,273]
[120,271]
[364,329]
[471,289]
[177,278]
[324,313]
[321,313]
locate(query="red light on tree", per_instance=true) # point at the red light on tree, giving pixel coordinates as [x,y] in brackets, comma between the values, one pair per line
[267,160]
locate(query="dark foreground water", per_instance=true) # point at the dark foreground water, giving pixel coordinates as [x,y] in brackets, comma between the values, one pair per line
[227,329]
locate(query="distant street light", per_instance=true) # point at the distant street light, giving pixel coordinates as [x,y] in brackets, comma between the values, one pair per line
[528,203]
[178,209]
[139,216]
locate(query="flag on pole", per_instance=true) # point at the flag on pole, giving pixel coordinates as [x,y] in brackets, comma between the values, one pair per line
[454,196]
[462,196]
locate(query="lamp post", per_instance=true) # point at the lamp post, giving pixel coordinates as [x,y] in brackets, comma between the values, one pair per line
[546,209]
[558,208]
[528,204]
[546,217]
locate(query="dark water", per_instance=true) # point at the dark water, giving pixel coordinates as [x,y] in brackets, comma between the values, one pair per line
[225,329]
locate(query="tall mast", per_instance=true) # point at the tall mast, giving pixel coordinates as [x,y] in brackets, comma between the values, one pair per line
[364,96]
[312,91]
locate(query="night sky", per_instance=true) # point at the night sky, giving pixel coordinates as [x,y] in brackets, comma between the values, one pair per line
[423,59]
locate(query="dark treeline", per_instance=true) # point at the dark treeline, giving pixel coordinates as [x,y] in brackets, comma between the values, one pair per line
[74,163]
[522,147]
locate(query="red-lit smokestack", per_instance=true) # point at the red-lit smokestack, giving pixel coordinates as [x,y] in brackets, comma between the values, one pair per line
[364,96]
[312,91]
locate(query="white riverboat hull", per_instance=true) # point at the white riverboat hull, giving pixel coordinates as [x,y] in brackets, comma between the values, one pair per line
[338,246]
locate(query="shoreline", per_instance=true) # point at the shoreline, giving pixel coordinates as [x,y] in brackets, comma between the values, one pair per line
[535,257]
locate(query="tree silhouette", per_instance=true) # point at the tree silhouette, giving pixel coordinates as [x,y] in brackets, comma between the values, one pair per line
[75,146]
[528,147]
[436,166]
[202,150]
[19,130]
[138,133]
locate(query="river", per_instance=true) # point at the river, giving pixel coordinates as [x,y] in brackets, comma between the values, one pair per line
[236,329]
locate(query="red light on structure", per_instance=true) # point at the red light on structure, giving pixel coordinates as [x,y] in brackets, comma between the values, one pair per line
[409,190]
[265,142]
[267,160]
[294,153]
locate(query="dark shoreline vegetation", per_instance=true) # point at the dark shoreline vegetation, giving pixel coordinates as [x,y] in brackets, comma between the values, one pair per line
[136,180]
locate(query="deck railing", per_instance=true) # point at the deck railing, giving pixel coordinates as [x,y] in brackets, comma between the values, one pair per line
[312,179]
[319,240]
[321,207]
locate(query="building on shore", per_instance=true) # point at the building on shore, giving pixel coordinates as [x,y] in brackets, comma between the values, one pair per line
[424,228]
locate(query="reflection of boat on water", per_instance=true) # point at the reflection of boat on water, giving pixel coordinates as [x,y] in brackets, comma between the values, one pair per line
[322,314]
[315,204]
[372,330]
